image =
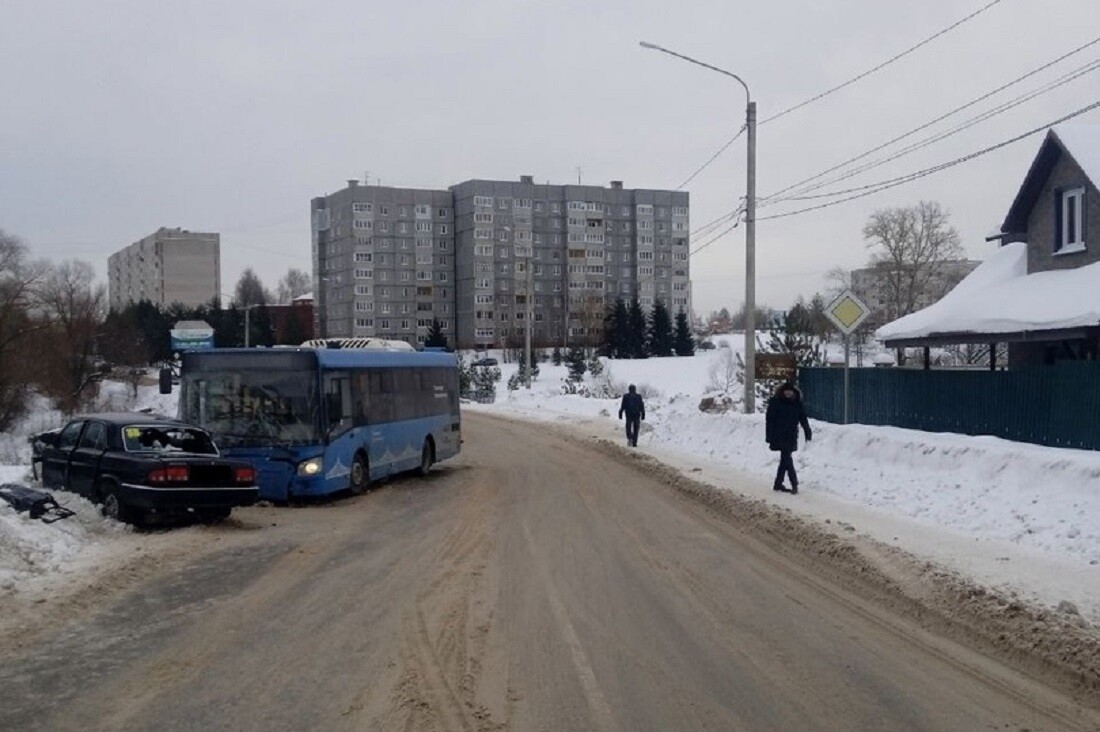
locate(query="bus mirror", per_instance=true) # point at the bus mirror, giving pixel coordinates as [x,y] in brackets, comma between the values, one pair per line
[165,381]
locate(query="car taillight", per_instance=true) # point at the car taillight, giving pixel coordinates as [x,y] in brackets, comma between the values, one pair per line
[170,474]
[247,475]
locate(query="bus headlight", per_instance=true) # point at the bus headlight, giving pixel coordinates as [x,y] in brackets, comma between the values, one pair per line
[311,467]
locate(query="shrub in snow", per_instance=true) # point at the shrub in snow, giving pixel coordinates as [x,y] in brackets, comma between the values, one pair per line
[523,377]
[575,360]
[595,366]
[725,373]
[485,380]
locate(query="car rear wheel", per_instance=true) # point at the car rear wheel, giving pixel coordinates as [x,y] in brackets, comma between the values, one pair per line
[360,475]
[427,456]
[117,509]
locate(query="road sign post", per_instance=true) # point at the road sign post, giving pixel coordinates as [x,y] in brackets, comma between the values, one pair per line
[847,313]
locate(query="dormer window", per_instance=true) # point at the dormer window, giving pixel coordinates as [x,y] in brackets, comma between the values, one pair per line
[1071,221]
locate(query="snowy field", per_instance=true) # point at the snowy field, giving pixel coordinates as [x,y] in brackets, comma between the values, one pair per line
[1017,517]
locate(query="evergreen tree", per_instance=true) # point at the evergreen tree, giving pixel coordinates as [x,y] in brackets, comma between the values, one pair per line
[153,327]
[294,332]
[435,338]
[556,356]
[636,332]
[617,331]
[683,343]
[577,364]
[660,331]
[261,330]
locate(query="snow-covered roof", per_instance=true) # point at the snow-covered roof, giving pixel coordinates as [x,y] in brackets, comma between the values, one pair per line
[1082,142]
[192,325]
[1000,297]
[307,296]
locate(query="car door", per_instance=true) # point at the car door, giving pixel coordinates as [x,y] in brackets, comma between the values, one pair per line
[85,459]
[55,457]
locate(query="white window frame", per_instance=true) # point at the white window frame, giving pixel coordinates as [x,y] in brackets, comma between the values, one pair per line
[1077,243]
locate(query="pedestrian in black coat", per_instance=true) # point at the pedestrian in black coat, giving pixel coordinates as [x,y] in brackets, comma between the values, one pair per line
[634,409]
[785,413]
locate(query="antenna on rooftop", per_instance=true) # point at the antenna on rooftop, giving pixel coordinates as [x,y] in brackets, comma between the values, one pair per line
[579,169]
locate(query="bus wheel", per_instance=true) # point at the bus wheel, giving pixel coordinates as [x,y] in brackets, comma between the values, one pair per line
[427,456]
[360,475]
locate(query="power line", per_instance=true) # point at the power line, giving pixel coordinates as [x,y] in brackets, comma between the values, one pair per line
[720,234]
[714,157]
[849,82]
[707,228]
[802,193]
[882,65]
[942,117]
[893,182]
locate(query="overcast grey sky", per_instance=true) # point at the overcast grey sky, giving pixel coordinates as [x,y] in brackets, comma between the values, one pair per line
[119,116]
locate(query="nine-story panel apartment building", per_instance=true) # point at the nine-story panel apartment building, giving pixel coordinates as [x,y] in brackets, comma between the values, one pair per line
[571,249]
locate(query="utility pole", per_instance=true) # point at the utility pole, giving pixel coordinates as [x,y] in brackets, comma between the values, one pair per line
[530,313]
[750,263]
[247,312]
[750,226]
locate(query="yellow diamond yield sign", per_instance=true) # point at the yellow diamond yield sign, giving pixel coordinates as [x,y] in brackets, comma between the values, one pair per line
[847,312]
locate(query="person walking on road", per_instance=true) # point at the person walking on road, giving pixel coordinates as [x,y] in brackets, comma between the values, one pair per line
[634,409]
[785,413]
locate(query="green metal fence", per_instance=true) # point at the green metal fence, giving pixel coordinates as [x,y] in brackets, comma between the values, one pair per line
[1055,405]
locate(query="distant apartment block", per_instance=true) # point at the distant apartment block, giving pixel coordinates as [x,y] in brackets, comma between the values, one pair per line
[383,262]
[168,266]
[387,261]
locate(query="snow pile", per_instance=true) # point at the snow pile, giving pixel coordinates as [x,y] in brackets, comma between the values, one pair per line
[985,487]
[1001,297]
[29,547]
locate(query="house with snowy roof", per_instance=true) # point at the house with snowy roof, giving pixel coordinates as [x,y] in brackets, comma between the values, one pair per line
[1040,291]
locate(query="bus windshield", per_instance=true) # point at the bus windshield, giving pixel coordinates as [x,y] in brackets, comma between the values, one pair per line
[253,406]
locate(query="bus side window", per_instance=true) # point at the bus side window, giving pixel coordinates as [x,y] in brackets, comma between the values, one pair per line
[381,396]
[338,402]
[361,413]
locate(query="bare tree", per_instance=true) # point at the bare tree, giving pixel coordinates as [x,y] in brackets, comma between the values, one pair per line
[911,246]
[73,304]
[837,280]
[294,283]
[18,279]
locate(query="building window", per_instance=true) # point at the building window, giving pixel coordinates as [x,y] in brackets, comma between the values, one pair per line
[1071,221]
[483,218]
[361,207]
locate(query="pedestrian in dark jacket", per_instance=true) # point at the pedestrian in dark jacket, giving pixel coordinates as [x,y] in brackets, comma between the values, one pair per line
[785,414]
[634,409]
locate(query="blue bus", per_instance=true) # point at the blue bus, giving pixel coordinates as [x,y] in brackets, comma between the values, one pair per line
[314,421]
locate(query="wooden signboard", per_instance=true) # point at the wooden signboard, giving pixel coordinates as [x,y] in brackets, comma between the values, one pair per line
[777,366]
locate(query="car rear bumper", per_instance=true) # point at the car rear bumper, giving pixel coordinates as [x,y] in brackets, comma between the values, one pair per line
[144,496]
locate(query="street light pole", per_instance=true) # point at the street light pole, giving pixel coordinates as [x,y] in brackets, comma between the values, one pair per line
[530,315]
[247,322]
[750,226]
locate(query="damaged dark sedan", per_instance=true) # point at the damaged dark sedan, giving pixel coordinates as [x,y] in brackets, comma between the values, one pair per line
[144,468]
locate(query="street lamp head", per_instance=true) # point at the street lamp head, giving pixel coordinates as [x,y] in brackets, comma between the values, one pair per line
[651,46]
